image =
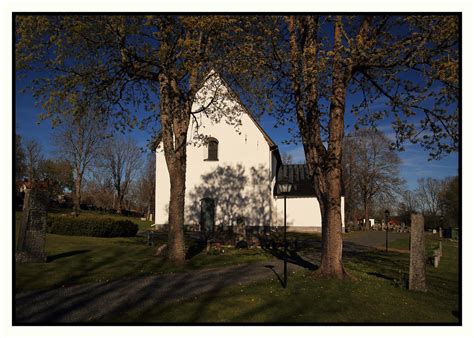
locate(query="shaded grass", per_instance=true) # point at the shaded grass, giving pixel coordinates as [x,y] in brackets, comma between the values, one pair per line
[79,259]
[374,295]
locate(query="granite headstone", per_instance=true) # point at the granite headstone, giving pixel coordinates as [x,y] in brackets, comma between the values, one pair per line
[30,246]
[417,279]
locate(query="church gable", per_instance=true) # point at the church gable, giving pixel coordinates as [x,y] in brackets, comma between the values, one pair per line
[217,104]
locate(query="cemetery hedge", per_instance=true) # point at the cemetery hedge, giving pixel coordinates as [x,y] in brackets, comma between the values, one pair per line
[91,226]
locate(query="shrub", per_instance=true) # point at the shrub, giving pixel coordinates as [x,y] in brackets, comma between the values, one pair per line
[91,226]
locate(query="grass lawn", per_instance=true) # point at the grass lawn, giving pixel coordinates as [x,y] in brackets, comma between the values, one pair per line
[77,259]
[431,242]
[375,294]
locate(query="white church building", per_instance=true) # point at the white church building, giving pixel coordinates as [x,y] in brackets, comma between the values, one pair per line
[233,167]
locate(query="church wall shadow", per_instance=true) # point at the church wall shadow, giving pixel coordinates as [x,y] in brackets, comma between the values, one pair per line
[239,195]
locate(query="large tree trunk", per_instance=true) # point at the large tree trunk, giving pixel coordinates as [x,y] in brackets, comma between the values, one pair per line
[324,165]
[331,256]
[119,202]
[77,195]
[174,145]
[176,212]
[366,215]
[177,172]
[331,253]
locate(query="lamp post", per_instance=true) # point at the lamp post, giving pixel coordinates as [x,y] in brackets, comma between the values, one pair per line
[284,186]
[387,213]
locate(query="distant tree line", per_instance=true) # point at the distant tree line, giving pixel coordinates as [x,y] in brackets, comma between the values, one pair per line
[372,184]
[436,199]
[112,175]
[371,175]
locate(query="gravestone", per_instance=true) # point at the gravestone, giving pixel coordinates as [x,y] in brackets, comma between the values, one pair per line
[208,215]
[437,254]
[30,247]
[417,279]
[239,230]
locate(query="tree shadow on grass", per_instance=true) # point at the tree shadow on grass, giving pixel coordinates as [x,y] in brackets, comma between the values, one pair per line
[272,267]
[82,302]
[292,257]
[65,254]
[380,275]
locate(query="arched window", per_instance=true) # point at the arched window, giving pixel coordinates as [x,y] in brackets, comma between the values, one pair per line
[212,149]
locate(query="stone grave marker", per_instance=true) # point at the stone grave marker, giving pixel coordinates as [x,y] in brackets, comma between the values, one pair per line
[437,254]
[417,279]
[239,230]
[30,247]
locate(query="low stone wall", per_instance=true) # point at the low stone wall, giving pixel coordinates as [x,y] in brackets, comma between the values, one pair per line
[253,229]
[304,229]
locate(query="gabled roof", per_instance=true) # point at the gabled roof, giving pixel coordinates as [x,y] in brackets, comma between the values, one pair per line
[298,176]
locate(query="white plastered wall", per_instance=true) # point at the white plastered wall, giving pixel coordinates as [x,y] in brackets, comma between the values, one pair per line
[302,212]
[242,149]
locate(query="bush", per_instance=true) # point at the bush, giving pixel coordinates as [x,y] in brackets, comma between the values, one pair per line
[91,226]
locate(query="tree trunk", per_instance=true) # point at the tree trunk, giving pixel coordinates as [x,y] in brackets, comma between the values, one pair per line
[331,255]
[77,195]
[176,248]
[366,215]
[119,202]
[331,251]
[323,165]
[174,145]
